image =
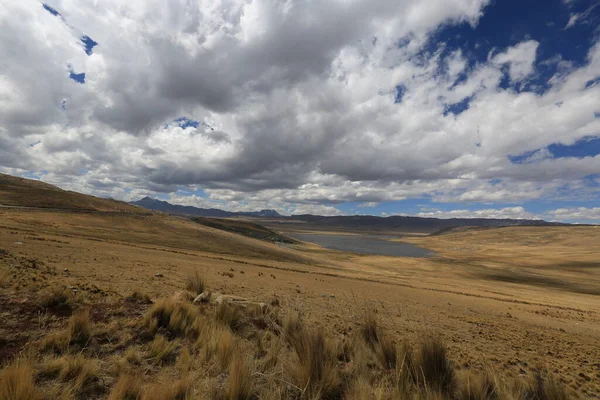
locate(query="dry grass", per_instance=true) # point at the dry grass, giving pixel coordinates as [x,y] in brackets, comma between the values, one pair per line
[241,384]
[178,390]
[161,350]
[173,318]
[80,328]
[195,283]
[128,387]
[56,298]
[316,370]
[5,280]
[80,374]
[139,297]
[216,341]
[17,383]
[230,316]
[545,386]
[432,367]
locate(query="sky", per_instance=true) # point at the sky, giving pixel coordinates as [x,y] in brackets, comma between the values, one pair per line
[437,108]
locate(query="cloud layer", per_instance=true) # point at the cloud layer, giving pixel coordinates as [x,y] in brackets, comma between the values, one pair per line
[299,107]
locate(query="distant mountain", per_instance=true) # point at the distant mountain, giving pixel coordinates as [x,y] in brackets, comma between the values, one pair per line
[353,222]
[159,205]
[410,224]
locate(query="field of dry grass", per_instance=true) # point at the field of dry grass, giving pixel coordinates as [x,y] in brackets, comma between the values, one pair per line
[97,305]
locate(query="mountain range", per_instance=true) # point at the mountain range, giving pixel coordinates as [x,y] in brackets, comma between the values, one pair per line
[354,222]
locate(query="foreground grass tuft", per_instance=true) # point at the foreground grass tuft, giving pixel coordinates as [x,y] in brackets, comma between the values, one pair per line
[17,383]
[128,387]
[241,385]
[432,367]
[195,283]
[174,318]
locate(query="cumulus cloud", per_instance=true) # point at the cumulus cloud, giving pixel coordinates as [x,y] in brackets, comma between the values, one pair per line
[295,104]
[578,214]
[508,212]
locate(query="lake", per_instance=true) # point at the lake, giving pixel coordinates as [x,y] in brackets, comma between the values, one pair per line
[364,244]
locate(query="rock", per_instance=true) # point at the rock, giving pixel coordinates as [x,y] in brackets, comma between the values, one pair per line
[230,299]
[66,270]
[159,275]
[182,296]
[332,295]
[203,297]
[263,307]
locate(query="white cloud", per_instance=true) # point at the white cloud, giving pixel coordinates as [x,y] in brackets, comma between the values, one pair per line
[368,204]
[579,214]
[299,100]
[504,213]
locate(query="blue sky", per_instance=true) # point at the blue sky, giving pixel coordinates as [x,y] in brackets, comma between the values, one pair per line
[460,108]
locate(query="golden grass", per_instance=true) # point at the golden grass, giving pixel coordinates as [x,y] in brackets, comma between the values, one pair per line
[241,384]
[128,387]
[56,298]
[195,283]
[161,350]
[139,297]
[432,367]
[81,374]
[230,316]
[178,390]
[17,383]
[5,280]
[80,327]
[174,318]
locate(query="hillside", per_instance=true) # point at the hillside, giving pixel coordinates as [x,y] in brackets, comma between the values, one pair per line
[21,192]
[245,228]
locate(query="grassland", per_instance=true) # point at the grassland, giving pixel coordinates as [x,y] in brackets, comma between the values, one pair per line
[502,305]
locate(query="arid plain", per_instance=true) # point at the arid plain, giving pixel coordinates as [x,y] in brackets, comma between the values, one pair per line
[516,299]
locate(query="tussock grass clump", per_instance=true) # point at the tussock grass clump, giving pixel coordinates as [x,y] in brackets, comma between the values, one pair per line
[56,298]
[195,283]
[78,333]
[178,390]
[230,316]
[432,367]
[316,370]
[161,350]
[241,384]
[81,373]
[128,387]
[174,318]
[216,341]
[80,327]
[482,386]
[17,383]
[5,280]
[545,386]
[138,297]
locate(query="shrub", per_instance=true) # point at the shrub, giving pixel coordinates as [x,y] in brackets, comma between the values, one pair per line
[195,283]
[16,383]
[241,385]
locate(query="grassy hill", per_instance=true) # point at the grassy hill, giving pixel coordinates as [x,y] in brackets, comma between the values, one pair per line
[21,192]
